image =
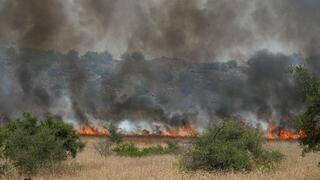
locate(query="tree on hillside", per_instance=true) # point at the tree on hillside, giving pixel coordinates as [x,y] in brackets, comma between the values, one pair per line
[309,120]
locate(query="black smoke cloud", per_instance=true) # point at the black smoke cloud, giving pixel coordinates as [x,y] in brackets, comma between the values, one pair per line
[36,23]
[27,83]
[181,72]
[161,89]
[191,30]
[167,90]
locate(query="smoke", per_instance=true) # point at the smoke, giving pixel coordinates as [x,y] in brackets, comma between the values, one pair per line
[31,80]
[193,30]
[76,77]
[33,23]
[198,58]
[160,89]
[293,23]
[171,91]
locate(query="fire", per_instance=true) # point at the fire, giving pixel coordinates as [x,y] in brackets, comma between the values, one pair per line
[182,132]
[91,131]
[168,133]
[275,133]
[270,133]
[185,131]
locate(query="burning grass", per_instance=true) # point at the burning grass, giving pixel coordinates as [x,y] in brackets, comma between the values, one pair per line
[183,131]
[277,133]
[272,133]
[90,165]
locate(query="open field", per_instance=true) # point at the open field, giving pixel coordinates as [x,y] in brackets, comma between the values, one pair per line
[89,165]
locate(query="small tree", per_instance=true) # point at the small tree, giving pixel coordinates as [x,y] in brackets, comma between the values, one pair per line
[104,148]
[229,146]
[32,144]
[114,136]
[309,120]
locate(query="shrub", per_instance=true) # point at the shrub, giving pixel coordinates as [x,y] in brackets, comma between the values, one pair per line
[103,148]
[131,150]
[32,144]
[127,149]
[229,146]
[154,150]
[309,120]
[114,136]
[173,146]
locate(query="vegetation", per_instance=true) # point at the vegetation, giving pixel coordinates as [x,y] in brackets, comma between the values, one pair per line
[104,148]
[309,120]
[131,150]
[173,146]
[229,146]
[114,136]
[115,139]
[3,165]
[32,144]
[92,166]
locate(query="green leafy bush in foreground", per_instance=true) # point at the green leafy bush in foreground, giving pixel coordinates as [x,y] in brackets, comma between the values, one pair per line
[308,120]
[32,144]
[229,146]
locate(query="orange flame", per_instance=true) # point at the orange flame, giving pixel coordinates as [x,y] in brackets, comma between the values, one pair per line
[168,133]
[184,131]
[275,133]
[91,131]
[270,133]
[180,132]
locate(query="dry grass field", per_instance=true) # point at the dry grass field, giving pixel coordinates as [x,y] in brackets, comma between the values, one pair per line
[89,165]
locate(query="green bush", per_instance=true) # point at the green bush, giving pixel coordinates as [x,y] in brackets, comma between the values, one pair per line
[32,144]
[131,150]
[229,146]
[173,146]
[154,150]
[308,120]
[127,149]
[114,136]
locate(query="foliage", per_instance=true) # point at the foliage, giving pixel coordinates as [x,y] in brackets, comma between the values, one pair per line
[114,136]
[3,164]
[309,120]
[173,146]
[32,144]
[127,149]
[104,148]
[131,150]
[229,146]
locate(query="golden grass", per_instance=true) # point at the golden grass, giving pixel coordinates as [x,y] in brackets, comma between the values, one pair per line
[93,166]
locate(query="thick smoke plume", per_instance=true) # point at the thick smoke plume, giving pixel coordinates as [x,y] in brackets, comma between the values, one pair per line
[171,91]
[194,30]
[197,60]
